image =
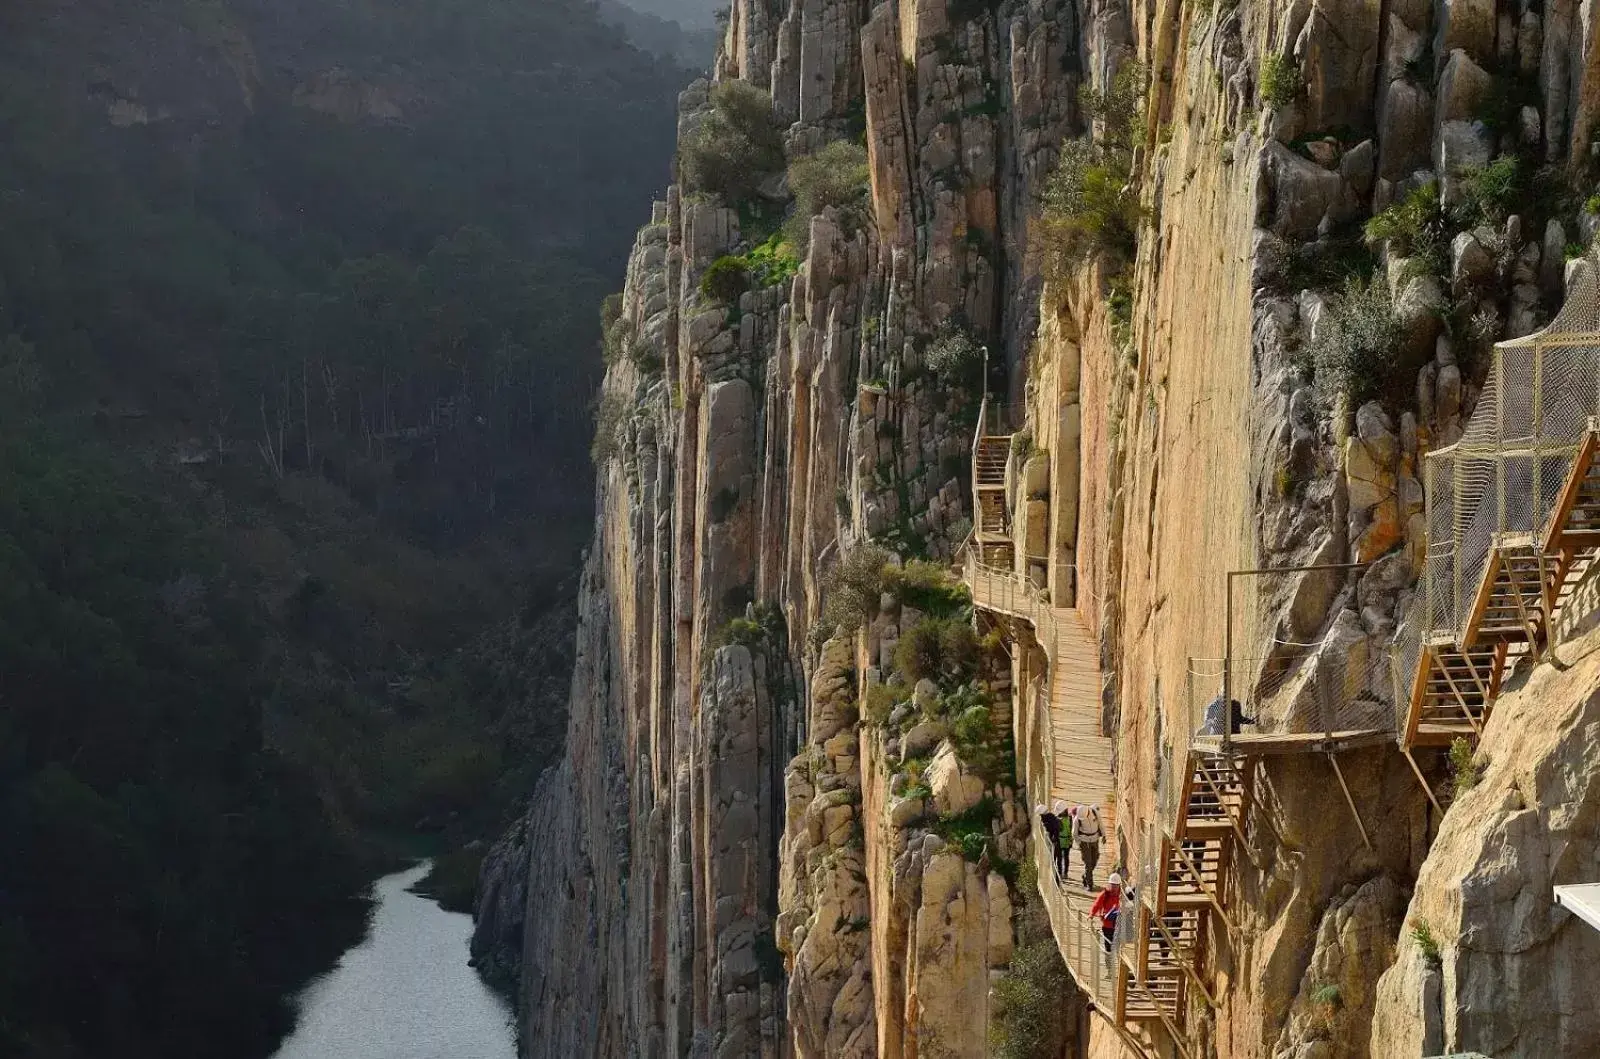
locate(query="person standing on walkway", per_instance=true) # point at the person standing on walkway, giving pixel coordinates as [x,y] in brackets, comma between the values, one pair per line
[1087,833]
[1065,815]
[1052,828]
[1107,908]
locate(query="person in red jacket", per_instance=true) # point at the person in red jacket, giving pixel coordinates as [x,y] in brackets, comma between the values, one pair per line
[1107,906]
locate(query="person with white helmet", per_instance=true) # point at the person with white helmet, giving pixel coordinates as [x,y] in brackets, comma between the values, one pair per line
[1087,833]
[1051,822]
[1106,908]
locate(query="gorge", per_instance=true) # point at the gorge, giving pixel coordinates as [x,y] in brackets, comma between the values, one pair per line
[995,378]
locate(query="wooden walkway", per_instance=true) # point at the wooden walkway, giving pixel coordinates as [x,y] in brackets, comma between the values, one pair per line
[1078,760]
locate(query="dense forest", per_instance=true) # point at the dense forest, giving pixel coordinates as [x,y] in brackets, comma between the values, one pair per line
[298,334]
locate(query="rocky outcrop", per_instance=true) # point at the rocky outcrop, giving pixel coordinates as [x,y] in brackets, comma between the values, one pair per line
[1507,972]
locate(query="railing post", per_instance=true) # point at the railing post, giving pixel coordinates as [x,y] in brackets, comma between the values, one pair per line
[1227,669]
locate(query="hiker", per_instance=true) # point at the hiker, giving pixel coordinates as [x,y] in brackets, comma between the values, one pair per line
[1052,827]
[1066,816]
[1106,908]
[1087,833]
[1215,717]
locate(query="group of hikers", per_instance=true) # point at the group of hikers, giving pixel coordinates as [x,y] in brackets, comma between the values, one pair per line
[1080,826]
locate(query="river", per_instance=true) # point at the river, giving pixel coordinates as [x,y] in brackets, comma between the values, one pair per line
[405,992]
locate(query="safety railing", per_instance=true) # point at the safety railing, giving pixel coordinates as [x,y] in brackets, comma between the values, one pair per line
[1332,688]
[1078,937]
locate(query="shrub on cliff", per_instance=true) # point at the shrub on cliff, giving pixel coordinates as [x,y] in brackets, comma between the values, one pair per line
[835,176]
[1280,82]
[943,650]
[726,279]
[1091,201]
[734,147]
[610,414]
[1356,341]
[928,587]
[1417,226]
[853,588]
[1091,208]
[955,357]
[1028,1020]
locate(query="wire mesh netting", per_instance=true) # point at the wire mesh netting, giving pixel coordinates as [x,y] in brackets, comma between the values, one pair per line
[1342,684]
[1503,480]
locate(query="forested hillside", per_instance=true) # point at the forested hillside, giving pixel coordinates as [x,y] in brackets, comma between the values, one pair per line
[298,336]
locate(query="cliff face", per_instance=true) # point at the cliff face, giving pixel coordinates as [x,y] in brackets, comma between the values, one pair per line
[766,859]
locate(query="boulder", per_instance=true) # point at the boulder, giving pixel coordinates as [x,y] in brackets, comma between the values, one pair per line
[1466,27]
[1356,167]
[1552,256]
[1471,264]
[1405,129]
[921,738]
[1300,192]
[1461,146]
[1418,305]
[1463,86]
[1515,971]
[954,789]
[1337,50]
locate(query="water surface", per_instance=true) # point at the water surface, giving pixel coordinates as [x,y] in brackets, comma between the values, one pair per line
[405,992]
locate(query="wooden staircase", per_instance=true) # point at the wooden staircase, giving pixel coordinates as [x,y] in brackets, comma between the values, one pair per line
[1190,881]
[1526,580]
[1452,693]
[1574,525]
[1510,604]
[989,458]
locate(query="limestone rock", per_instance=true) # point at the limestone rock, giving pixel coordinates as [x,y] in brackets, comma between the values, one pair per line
[954,788]
[921,738]
[1337,50]
[1300,192]
[1355,940]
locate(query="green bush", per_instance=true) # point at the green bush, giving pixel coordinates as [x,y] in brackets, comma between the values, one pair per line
[1493,192]
[1422,934]
[1090,209]
[955,357]
[928,587]
[1356,341]
[971,829]
[773,261]
[943,650]
[735,147]
[973,727]
[725,279]
[1090,201]
[1028,1019]
[1119,110]
[882,699]
[1280,82]
[610,417]
[852,589]
[837,176]
[1416,226]
[742,631]
[1463,770]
